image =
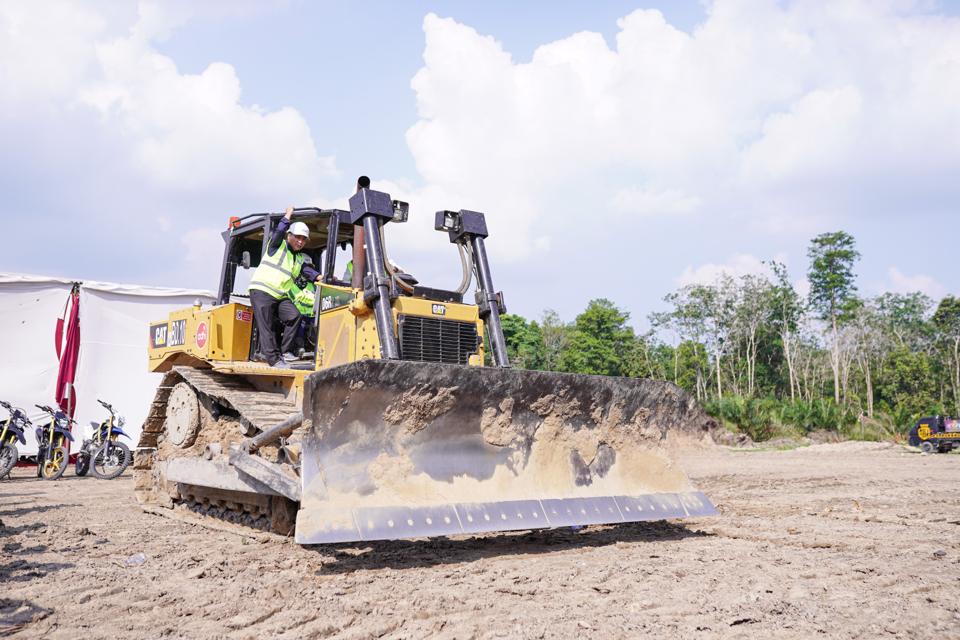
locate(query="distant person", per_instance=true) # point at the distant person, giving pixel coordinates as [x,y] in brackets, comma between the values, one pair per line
[279,267]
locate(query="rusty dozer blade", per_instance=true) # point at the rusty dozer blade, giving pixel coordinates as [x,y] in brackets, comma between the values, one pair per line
[410,449]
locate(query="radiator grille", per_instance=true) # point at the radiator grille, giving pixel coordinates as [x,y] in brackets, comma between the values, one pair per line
[435,340]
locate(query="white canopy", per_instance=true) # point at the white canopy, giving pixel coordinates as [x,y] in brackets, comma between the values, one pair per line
[112,366]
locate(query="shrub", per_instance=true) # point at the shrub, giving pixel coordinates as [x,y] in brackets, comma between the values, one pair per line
[753,416]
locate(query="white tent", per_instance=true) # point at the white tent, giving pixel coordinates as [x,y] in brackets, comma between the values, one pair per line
[114,321]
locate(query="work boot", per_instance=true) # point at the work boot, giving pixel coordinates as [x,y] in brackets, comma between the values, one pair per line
[260,357]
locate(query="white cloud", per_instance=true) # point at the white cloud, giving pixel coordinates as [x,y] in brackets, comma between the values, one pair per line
[815,136]
[648,202]
[739,265]
[197,249]
[179,132]
[783,117]
[190,132]
[786,118]
[899,282]
[110,125]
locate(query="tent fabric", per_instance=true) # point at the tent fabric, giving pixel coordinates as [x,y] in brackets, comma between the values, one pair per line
[112,363]
[128,289]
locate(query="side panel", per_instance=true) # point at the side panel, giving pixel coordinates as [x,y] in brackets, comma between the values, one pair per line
[211,333]
[368,342]
[229,332]
[336,337]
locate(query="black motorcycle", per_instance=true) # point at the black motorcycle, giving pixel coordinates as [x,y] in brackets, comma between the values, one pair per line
[53,438]
[104,454]
[12,432]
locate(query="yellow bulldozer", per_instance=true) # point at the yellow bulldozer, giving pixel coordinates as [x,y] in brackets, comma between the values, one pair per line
[393,424]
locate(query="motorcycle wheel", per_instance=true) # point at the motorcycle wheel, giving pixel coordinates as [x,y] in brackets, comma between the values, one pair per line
[108,465]
[82,464]
[54,465]
[8,458]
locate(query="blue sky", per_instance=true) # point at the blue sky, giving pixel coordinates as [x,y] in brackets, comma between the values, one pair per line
[620,149]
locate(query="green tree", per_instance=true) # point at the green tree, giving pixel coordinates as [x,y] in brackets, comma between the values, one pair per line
[705,314]
[905,316]
[601,342]
[690,362]
[906,387]
[787,312]
[524,341]
[753,309]
[556,339]
[832,288]
[647,358]
[946,321]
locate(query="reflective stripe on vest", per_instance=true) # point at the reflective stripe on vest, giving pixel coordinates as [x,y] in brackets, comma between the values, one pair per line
[275,274]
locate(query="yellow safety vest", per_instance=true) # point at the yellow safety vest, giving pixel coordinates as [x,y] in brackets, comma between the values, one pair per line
[303,299]
[275,274]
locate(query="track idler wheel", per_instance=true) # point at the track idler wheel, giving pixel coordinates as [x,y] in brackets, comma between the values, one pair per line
[183,416]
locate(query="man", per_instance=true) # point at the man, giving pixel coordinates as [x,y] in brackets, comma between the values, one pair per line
[302,295]
[279,267]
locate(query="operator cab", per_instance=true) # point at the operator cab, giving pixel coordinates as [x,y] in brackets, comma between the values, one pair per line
[329,248]
[335,232]
[245,242]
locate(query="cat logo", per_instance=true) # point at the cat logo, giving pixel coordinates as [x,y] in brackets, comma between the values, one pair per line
[923,432]
[439,310]
[158,335]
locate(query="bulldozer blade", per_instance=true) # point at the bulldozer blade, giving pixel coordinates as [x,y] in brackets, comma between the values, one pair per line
[408,449]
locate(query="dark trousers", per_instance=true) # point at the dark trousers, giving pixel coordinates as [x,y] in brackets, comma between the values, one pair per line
[307,335]
[272,315]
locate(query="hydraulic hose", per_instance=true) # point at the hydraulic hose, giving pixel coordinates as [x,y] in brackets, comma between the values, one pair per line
[389,266]
[465,267]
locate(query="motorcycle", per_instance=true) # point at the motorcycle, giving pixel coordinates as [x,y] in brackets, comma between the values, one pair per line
[53,438]
[12,431]
[104,454]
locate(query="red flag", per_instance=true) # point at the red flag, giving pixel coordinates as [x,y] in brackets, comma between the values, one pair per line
[66,393]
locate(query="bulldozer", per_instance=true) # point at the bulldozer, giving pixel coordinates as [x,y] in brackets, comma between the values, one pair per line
[404,417]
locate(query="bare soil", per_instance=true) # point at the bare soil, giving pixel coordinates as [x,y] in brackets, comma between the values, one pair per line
[849,540]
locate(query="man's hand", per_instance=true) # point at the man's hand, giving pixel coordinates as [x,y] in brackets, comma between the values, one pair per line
[289,213]
[318,279]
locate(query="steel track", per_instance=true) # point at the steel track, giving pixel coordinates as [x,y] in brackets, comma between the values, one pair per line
[257,411]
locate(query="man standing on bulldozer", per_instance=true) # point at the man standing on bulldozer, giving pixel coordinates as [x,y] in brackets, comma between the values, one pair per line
[270,286]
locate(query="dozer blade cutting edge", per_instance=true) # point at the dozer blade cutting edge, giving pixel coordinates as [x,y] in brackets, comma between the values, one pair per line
[409,449]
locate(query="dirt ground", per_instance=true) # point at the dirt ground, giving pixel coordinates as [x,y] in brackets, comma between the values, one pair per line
[850,540]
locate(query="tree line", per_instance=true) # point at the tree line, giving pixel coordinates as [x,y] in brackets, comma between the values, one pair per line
[765,359]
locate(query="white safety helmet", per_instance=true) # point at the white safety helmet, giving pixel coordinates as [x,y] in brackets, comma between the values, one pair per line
[300,229]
